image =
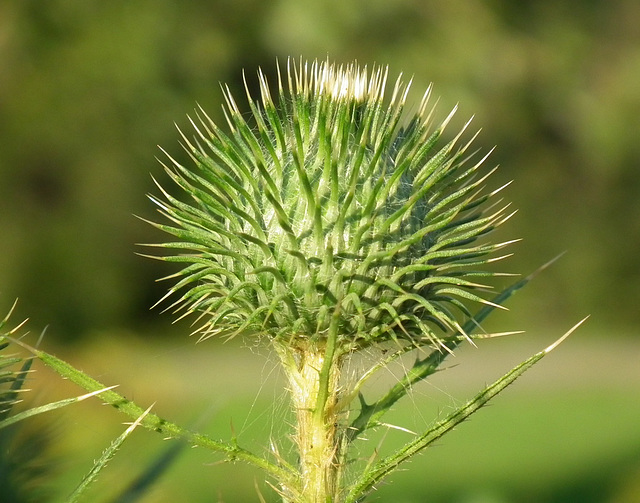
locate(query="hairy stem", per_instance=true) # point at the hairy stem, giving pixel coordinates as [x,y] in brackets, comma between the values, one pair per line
[314,383]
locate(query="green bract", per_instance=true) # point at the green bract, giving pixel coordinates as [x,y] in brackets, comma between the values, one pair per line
[329,210]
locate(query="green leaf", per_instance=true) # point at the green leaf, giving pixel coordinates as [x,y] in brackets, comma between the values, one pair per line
[374,474]
[153,422]
[102,461]
[48,407]
[422,368]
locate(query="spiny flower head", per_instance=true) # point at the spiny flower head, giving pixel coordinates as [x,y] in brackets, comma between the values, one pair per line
[333,212]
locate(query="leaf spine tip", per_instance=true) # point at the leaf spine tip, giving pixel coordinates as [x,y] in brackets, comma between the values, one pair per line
[561,339]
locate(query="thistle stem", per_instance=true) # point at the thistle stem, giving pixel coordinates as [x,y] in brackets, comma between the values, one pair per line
[317,435]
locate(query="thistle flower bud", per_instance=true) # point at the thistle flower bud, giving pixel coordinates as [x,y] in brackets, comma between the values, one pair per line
[334,210]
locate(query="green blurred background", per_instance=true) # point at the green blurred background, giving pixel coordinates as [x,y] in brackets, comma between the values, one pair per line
[88,90]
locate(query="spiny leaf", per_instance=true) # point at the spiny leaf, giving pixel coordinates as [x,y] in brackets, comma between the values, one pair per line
[152,421]
[423,368]
[376,473]
[33,411]
[102,461]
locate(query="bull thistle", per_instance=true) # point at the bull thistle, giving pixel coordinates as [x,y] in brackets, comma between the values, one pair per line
[328,222]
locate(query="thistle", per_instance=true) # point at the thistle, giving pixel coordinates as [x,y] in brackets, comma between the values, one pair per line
[329,221]
[326,223]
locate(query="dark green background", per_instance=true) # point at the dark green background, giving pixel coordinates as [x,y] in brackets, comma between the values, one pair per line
[88,89]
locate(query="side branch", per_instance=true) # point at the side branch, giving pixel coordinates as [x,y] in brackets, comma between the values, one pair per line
[390,463]
[284,474]
[421,369]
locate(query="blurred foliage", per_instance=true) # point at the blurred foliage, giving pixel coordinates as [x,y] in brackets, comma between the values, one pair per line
[88,89]
[27,463]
